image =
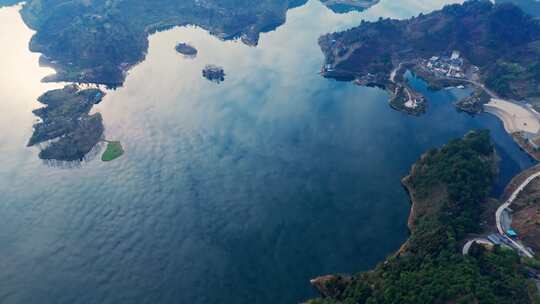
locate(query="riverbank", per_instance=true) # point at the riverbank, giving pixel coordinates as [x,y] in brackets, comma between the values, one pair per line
[521,121]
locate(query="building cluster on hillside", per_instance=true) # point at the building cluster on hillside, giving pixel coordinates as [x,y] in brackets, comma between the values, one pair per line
[444,66]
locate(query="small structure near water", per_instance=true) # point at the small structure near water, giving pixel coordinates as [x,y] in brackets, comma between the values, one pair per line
[214,73]
[511,233]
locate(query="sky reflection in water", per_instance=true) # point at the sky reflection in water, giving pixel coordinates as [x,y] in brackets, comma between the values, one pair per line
[236,192]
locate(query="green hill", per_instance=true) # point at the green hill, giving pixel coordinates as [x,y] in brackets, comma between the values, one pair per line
[448,187]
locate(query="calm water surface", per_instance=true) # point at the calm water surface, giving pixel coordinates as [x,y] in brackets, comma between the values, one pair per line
[238,192]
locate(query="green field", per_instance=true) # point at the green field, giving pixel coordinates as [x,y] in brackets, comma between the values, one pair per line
[114,151]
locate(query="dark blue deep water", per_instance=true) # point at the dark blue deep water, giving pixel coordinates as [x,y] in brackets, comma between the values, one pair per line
[238,192]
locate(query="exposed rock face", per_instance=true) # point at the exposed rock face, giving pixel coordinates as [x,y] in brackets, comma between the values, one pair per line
[66,127]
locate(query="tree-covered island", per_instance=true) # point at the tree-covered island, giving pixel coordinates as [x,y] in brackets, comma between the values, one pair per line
[66,131]
[448,189]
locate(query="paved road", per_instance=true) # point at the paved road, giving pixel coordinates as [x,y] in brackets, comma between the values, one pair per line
[490,92]
[499,217]
[516,117]
[476,83]
[468,245]
[500,213]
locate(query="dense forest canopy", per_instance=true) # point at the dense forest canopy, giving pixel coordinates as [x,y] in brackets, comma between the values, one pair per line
[531,7]
[97,41]
[449,187]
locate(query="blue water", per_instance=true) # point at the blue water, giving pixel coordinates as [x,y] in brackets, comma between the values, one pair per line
[238,192]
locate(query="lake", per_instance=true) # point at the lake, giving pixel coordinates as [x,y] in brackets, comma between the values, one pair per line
[237,192]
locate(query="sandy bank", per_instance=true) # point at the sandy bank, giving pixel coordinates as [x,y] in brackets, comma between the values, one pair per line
[515,117]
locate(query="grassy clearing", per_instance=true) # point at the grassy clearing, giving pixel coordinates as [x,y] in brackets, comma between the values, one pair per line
[114,151]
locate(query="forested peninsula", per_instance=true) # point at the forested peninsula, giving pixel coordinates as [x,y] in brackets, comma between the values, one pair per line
[448,189]
[494,47]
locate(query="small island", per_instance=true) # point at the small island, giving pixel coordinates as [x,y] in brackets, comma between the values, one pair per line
[187,50]
[345,6]
[214,73]
[67,132]
[474,104]
[114,150]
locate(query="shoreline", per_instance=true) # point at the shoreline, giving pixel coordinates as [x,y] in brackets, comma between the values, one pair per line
[405,182]
[431,238]
[515,117]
